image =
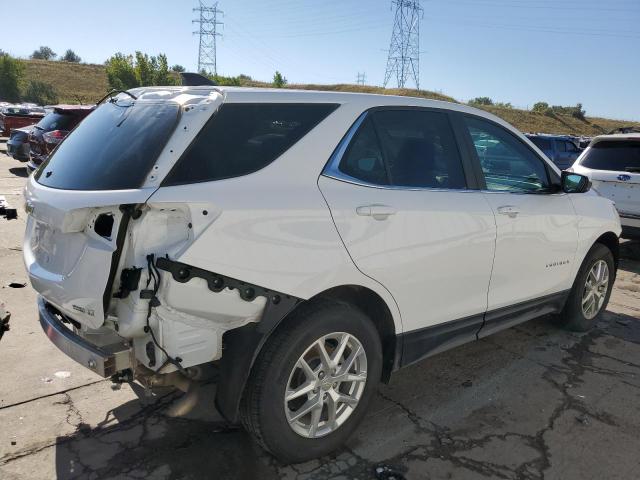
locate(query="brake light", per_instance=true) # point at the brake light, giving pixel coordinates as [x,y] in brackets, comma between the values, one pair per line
[55,136]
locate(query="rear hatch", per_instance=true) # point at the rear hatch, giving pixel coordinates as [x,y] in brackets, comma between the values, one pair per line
[81,199]
[615,172]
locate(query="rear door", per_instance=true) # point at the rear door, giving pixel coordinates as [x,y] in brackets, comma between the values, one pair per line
[402,203]
[614,168]
[537,231]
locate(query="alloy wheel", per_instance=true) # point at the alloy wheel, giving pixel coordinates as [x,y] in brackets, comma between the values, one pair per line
[595,289]
[325,385]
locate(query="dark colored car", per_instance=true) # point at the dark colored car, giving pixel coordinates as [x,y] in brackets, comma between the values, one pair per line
[52,129]
[18,143]
[561,150]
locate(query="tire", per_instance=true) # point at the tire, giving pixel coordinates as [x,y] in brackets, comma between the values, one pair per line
[573,316]
[264,412]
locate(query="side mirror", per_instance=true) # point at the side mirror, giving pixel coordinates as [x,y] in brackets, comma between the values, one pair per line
[575,183]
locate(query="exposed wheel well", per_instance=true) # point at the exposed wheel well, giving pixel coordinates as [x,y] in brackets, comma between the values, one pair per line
[610,240]
[377,310]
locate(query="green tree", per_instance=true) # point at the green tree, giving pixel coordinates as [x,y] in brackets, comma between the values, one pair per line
[278,80]
[41,93]
[43,53]
[71,56]
[540,107]
[11,75]
[144,69]
[177,68]
[161,72]
[481,101]
[121,73]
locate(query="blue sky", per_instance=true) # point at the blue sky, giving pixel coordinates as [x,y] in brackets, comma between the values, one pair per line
[518,51]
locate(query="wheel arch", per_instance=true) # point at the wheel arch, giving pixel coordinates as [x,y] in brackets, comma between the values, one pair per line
[241,346]
[611,241]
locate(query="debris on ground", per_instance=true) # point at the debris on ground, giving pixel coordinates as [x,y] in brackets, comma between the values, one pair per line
[17,285]
[4,319]
[62,374]
[583,419]
[387,472]
[6,211]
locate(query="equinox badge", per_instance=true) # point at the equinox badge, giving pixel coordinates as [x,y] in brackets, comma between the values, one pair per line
[624,178]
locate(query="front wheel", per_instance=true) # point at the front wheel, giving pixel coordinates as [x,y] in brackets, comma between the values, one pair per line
[591,290]
[312,381]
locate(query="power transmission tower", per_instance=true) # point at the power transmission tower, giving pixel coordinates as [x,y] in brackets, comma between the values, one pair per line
[208,32]
[362,78]
[404,51]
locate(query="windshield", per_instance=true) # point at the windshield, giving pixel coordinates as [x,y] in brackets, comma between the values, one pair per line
[112,149]
[616,155]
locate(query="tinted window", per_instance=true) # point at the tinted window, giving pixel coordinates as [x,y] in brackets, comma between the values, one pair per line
[543,144]
[241,138]
[508,164]
[613,155]
[561,145]
[57,121]
[571,147]
[363,159]
[112,149]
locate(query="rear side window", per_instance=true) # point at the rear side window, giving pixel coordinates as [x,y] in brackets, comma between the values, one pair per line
[113,148]
[57,121]
[241,138]
[405,148]
[616,155]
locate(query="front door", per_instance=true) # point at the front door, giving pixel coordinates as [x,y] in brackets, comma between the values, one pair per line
[537,233]
[398,193]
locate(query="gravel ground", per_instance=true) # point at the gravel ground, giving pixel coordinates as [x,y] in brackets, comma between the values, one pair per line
[530,402]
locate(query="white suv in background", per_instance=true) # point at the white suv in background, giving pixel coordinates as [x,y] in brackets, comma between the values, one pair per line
[612,162]
[307,243]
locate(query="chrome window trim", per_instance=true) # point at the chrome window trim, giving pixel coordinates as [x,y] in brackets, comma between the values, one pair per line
[331,170]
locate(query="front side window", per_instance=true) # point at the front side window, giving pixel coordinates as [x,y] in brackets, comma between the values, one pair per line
[543,144]
[615,155]
[507,163]
[405,148]
[241,138]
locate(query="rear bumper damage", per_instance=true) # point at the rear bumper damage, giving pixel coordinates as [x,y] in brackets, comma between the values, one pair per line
[106,353]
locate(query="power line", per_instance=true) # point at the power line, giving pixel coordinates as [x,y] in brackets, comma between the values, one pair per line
[404,51]
[208,32]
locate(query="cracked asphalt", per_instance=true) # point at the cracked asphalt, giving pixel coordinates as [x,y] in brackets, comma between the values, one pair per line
[531,402]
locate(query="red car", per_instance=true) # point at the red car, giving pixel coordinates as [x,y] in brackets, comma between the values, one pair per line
[18,116]
[52,129]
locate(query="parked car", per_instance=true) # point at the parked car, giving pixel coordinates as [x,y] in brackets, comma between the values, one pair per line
[18,116]
[18,143]
[308,243]
[561,150]
[612,162]
[52,129]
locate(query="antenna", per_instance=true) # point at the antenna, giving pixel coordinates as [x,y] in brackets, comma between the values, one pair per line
[208,32]
[404,50]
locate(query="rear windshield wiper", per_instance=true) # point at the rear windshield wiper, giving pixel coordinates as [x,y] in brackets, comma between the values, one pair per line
[632,169]
[113,92]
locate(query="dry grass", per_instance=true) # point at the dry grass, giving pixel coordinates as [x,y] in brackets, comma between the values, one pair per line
[74,82]
[89,82]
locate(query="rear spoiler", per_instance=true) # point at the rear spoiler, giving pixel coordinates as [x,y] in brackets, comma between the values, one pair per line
[195,80]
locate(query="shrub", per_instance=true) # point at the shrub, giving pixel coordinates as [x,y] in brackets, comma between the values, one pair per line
[43,53]
[177,68]
[11,75]
[40,92]
[127,71]
[278,80]
[70,56]
[540,107]
[481,101]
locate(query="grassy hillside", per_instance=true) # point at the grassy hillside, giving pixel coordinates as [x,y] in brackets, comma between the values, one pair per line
[74,82]
[88,83]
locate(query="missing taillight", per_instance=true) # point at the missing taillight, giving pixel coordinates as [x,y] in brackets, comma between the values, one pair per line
[103,225]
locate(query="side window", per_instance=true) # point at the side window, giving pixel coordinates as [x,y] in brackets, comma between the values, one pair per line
[571,147]
[561,145]
[419,148]
[507,163]
[363,158]
[241,138]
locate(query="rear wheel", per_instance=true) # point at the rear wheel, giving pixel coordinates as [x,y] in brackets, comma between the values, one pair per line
[312,381]
[591,290]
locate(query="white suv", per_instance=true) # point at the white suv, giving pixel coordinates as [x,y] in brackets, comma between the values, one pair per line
[612,163]
[307,243]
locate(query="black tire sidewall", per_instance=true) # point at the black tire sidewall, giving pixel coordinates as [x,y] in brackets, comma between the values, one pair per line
[276,432]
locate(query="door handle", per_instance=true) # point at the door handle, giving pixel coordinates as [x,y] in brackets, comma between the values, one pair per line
[379,212]
[509,210]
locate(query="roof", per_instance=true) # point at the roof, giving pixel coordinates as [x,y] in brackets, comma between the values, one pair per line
[66,107]
[616,136]
[362,101]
